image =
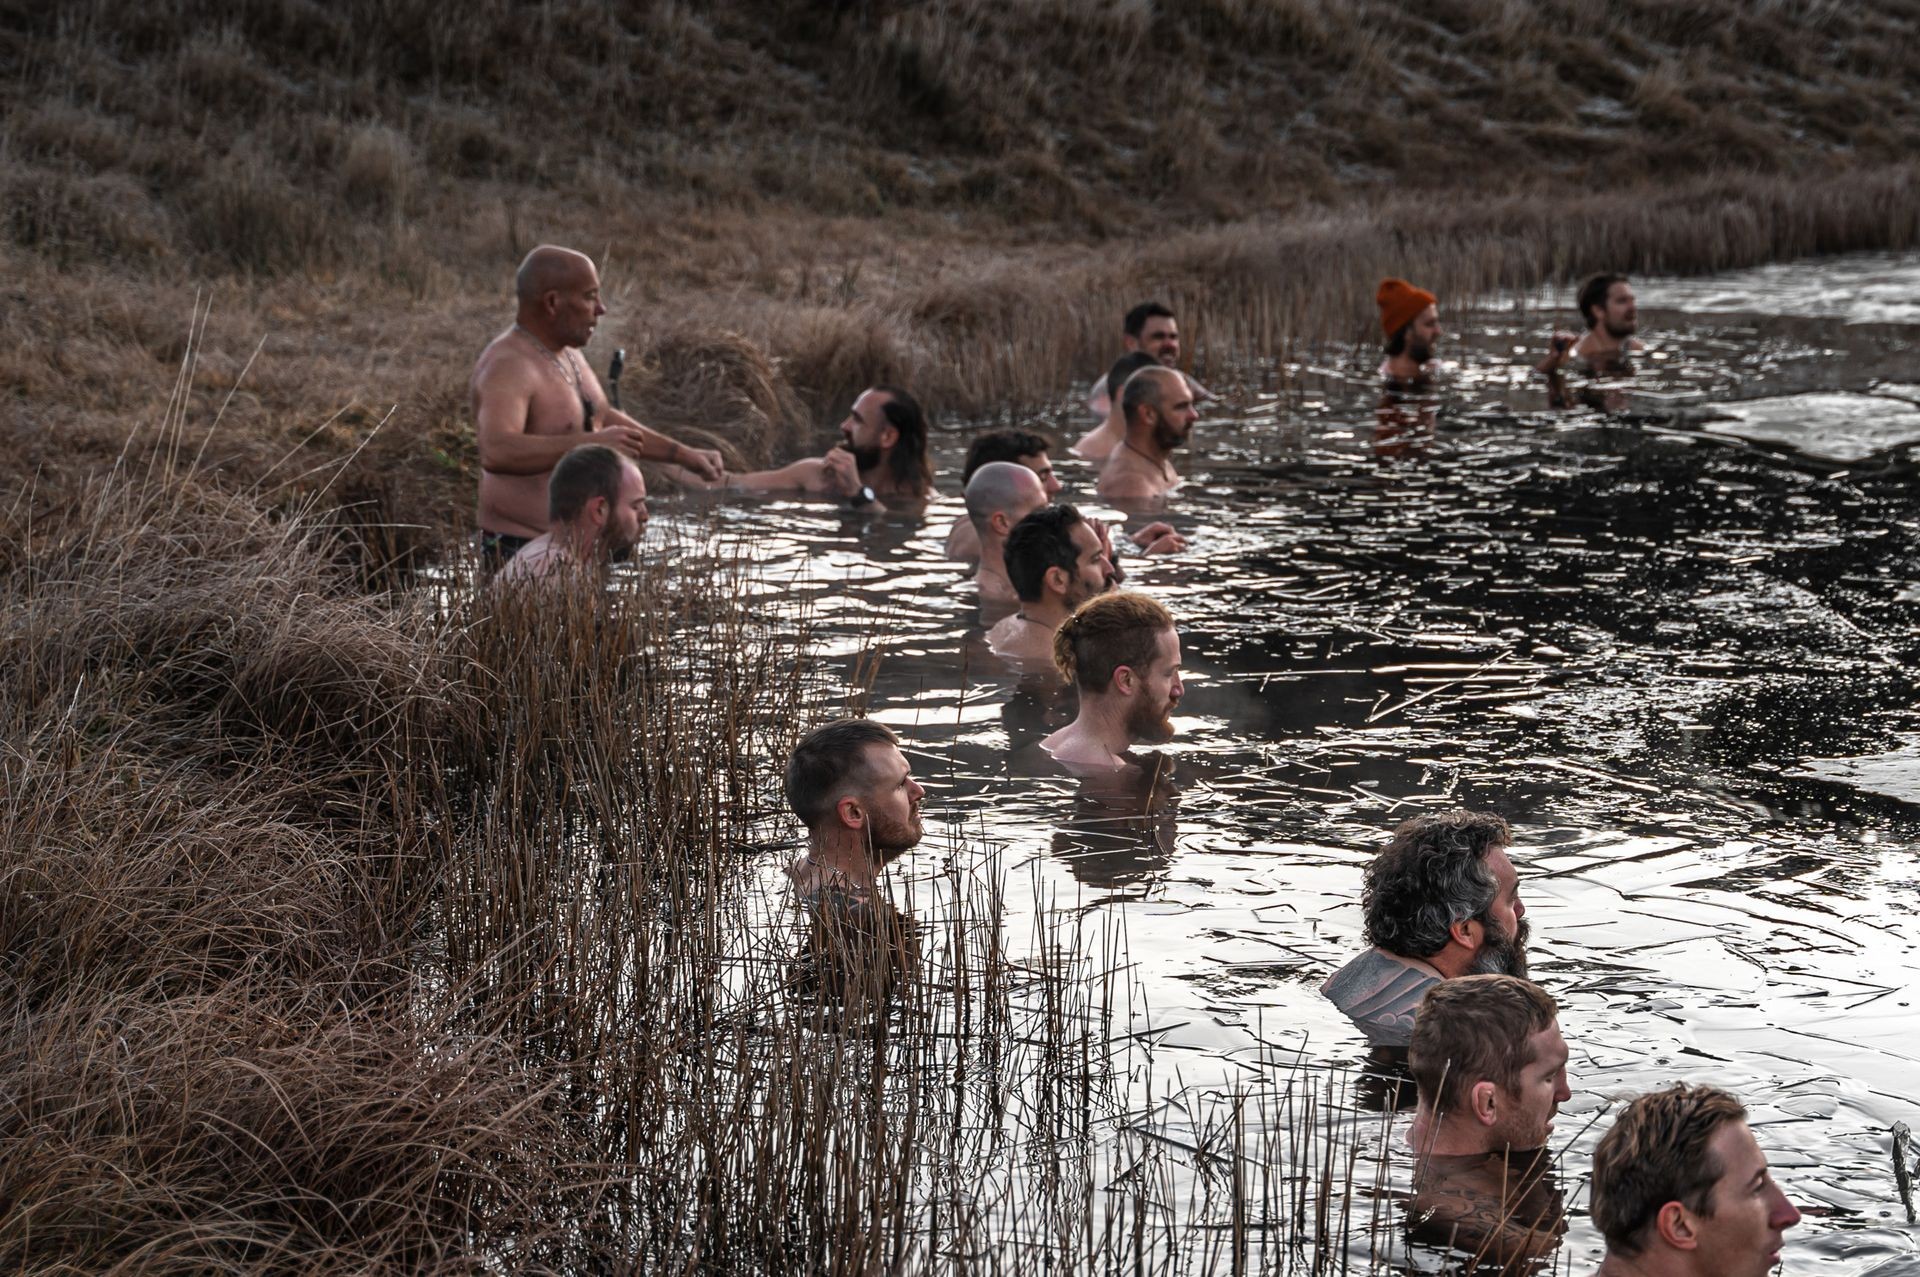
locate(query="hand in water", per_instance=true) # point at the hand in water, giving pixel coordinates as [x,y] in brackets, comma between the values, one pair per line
[843,472]
[1153,532]
[1171,543]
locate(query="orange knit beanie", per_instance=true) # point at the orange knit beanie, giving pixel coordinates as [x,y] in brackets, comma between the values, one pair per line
[1400,303]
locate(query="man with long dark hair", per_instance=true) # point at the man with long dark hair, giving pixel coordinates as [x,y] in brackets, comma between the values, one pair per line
[881,456]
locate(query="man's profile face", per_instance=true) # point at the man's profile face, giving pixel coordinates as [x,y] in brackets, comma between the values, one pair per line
[1424,334]
[1151,719]
[1505,930]
[1092,569]
[1043,470]
[576,308]
[892,801]
[1620,315]
[1526,1113]
[1743,1234]
[627,517]
[1160,337]
[1175,413]
[866,432]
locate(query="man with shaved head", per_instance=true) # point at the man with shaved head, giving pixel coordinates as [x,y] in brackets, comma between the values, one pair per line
[535,398]
[1000,494]
[1158,406]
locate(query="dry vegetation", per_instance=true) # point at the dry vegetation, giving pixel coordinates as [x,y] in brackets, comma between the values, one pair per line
[356,930]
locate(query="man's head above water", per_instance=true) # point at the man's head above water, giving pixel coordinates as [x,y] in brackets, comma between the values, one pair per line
[1024,446]
[597,502]
[851,787]
[1444,892]
[1681,1189]
[1000,494]
[1152,329]
[1122,652]
[1607,303]
[1410,319]
[1054,556]
[1490,1065]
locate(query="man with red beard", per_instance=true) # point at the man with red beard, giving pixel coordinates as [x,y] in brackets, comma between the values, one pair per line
[1442,901]
[851,787]
[1490,1067]
[1681,1189]
[1121,652]
[596,514]
[1611,314]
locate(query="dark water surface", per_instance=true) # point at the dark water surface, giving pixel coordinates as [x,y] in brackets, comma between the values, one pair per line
[1682,667]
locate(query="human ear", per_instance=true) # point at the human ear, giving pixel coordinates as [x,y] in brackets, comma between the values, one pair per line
[1482,1100]
[1467,934]
[1124,680]
[1676,1226]
[1055,579]
[851,813]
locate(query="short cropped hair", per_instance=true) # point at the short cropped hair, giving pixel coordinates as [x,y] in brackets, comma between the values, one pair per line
[1657,1153]
[1136,321]
[589,471]
[1433,874]
[1471,1029]
[1593,296]
[1042,540]
[1002,445]
[1147,386]
[829,763]
[1124,367]
[909,465]
[1105,633]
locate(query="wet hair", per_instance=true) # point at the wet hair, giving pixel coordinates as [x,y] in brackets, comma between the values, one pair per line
[1106,633]
[1136,321]
[908,464]
[1472,1029]
[589,471]
[1433,874]
[1042,540]
[829,762]
[1124,368]
[1657,1153]
[1002,445]
[1397,344]
[1144,387]
[1593,296]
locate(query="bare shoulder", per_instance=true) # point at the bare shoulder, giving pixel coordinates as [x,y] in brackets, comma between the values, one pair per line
[1125,484]
[503,365]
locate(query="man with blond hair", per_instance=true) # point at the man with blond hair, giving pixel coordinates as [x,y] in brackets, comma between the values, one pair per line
[1121,651]
[535,398]
[1442,901]
[1681,1189]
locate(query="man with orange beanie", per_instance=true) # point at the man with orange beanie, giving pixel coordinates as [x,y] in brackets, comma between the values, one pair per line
[1410,319]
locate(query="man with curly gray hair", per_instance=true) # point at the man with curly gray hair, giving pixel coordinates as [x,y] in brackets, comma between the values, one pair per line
[1442,901]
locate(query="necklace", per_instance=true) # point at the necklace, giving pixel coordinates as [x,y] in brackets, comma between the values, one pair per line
[1159,467]
[566,369]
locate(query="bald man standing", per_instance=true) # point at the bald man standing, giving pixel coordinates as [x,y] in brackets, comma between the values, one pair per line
[535,397]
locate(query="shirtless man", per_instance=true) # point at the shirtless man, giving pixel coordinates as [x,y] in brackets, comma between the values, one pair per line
[535,398]
[1000,494]
[596,514]
[1120,650]
[854,791]
[1149,329]
[1158,405]
[1055,562]
[1023,446]
[1098,443]
[881,456]
[1442,901]
[1607,305]
[1410,318]
[1681,1189]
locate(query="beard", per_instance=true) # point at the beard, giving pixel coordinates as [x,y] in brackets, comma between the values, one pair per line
[864,458]
[1620,332]
[1151,724]
[1166,438]
[894,838]
[1503,954]
[614,547]
[1419,351]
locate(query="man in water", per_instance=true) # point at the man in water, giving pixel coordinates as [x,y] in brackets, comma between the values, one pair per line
[1149,329]
[1410,318]
[1022,446]
[1608,309]
[1159,410]
[1055,562]
[1490,1068]
[596,514]
[881,456]
[1000,494]
[851,787]
[1122,654]
[535,397]
[1681,1189]
[1442,901]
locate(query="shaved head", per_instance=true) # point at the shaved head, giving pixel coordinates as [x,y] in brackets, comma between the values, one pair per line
[1003,487]
[1148,386]
[549,268]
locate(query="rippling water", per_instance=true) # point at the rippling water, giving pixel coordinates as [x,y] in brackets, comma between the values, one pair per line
[1681,665]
